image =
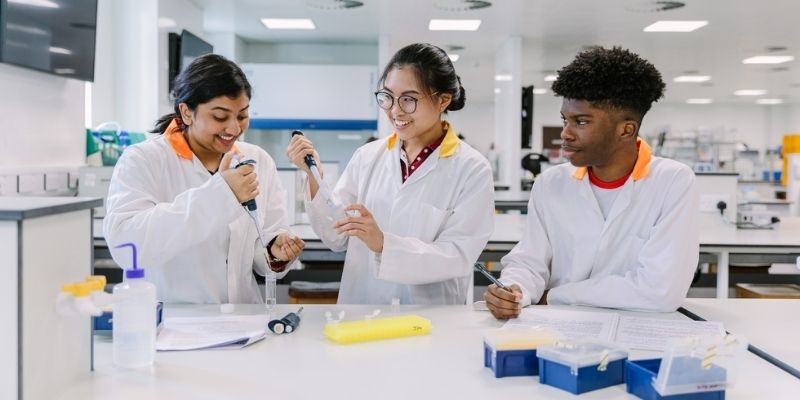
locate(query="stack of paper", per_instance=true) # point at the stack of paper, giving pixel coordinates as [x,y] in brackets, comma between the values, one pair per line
[211,332]
[632,332]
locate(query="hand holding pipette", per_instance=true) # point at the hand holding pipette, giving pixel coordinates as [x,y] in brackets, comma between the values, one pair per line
[243,181]
[302,153]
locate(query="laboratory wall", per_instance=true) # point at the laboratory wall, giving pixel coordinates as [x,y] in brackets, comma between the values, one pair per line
[475,121]
[310,53]
[43,121]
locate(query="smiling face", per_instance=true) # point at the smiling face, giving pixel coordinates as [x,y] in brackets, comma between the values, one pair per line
[424,122]
[213,127]
[591,135]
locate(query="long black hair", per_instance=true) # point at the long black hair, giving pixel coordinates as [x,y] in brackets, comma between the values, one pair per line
[206,78]
[434,71]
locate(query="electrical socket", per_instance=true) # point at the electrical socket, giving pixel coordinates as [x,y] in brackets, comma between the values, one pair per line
[31,183]
[8,185]
[708,202]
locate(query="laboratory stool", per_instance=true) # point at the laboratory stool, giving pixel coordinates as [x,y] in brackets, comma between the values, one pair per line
[302,292]
[768,291]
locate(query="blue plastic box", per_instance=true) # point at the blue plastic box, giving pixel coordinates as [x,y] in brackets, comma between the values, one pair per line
[512,352]
[510,362]
[103,324]
[582,366]
[639,377]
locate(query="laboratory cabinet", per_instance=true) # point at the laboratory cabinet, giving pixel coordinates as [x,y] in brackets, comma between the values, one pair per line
[45,242]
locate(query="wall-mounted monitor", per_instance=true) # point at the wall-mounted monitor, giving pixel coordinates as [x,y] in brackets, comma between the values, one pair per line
[183,49]
[53,36]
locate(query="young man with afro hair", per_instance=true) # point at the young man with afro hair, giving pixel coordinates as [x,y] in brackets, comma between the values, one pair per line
[615,227]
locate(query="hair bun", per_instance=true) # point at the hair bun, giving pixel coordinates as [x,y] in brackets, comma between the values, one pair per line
[459,100]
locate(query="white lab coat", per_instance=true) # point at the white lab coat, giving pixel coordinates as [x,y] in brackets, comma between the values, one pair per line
[194,239]
[435,225]
[642,257]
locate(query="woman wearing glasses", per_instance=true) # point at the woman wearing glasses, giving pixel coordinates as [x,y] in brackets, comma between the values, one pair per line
[419,203]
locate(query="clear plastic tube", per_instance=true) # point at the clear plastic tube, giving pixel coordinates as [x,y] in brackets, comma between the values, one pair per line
[270,289]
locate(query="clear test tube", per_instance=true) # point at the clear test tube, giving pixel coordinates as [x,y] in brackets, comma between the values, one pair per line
[270,289]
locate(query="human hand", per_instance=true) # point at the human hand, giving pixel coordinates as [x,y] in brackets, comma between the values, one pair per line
[243,181]
[503,304]
[363,227]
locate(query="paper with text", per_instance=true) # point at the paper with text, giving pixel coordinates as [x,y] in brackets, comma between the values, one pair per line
[654,333]
[570,324]
[192,333]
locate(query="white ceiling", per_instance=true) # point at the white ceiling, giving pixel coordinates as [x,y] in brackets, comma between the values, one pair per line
[553,31]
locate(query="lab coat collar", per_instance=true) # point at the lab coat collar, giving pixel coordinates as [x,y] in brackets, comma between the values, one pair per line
[174,135]
[640,170]
[446,149]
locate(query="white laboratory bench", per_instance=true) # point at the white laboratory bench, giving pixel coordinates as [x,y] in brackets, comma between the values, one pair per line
[447,364]
[769,324]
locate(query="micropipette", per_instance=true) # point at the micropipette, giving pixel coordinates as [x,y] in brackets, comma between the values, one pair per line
[323,190]
[251,207]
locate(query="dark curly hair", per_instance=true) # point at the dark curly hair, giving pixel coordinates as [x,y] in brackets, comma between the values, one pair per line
[611,78]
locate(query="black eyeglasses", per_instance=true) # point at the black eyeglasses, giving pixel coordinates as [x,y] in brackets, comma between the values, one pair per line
[406,103]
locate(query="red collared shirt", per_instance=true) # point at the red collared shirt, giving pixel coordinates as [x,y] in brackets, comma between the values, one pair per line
[421,157]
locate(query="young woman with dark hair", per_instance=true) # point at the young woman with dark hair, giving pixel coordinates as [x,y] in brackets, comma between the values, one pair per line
[178,196]
[421,201]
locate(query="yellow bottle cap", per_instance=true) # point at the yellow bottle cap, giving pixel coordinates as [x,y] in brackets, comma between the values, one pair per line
[96,282]
[77,289]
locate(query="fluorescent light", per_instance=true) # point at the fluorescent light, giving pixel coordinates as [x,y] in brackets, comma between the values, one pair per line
[64,71]
[497,90]
[36,3]
[165,22]
[539,91]
[60,50]
[767,59]
[698,101]
[769,101]
[454,24]
[288,23]
[348,136]
[675,26]
[750,92]
[454,57]
[550,78]
[691,78]
[32,30]
[503,77]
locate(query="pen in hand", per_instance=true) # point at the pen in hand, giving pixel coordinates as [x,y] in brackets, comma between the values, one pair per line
[488,275]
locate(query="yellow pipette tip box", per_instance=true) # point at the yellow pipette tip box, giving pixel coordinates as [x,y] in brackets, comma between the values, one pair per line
[377,329]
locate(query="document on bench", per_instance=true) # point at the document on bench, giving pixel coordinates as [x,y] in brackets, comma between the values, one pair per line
[194,333]
[639,333]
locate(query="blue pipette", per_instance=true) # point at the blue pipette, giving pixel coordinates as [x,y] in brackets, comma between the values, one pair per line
[251,207]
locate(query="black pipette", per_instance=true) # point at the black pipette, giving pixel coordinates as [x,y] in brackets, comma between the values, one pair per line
[287,324]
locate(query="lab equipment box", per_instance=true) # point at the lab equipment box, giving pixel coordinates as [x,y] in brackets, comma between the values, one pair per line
[512,352]
[581,366]
[103,324]
[639,377]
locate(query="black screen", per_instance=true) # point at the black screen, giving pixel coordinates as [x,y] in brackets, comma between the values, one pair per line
[55,36]
[527,116]
[183,49]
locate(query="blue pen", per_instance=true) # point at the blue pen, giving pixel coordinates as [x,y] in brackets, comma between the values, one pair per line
[486,273]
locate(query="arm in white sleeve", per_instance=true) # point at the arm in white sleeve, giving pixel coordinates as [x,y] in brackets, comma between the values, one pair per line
[528,263]
[162,230]
[275,218]
[664,267]
[462,238]
[322,216]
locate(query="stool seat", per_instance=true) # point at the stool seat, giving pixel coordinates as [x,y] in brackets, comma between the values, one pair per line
[768,291]
[303,292]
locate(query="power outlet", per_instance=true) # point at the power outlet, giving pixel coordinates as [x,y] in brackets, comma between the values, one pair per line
[31,183]
[708,202]
[8,185]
